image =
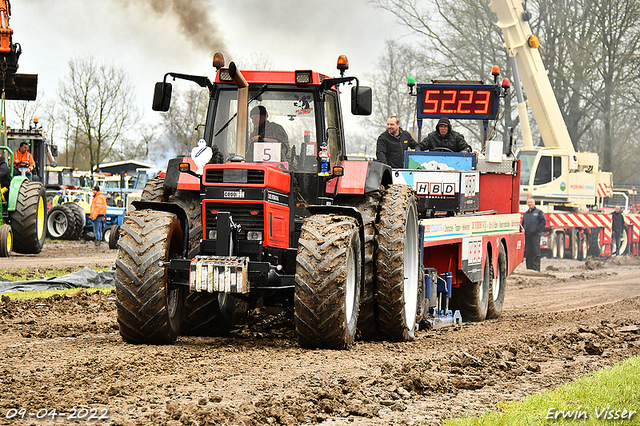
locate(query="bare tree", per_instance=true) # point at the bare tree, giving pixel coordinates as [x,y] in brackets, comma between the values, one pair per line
[389,82]
[25,111]
[186,114]
[100,103]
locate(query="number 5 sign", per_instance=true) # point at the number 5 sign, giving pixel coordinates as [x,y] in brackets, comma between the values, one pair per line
[268,152]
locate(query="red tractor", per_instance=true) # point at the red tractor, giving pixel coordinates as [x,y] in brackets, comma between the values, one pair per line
[256,217]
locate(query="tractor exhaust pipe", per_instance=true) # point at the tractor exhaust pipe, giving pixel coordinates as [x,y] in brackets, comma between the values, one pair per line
[243,106]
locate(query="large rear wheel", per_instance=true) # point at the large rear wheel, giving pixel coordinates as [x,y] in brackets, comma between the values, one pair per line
[148,306]
[28,221]
[328,279]
[398,264]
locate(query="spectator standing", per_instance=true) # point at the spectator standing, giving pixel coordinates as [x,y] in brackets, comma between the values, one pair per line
[533,222]
[617,227]
[98,213]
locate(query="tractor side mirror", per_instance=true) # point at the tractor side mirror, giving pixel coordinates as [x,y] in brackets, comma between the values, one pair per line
[361,100]
[54,150]
[162,97]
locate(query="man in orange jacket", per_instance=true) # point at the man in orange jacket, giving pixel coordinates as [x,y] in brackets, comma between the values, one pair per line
[98,213]
[24,159]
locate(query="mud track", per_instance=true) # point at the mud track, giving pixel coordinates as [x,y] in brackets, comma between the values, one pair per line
[66,352]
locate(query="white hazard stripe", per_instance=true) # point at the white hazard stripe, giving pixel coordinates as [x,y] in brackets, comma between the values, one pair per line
[592,220]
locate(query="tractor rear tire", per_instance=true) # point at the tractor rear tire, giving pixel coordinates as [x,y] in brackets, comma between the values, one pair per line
[498,286]
[154,190]
[398,264]
[367,319]
[149,308]
[29,220]
[106,233]
[6,240]
[473,299]
[80,219]
[328,280]
[61,223]
[114,237]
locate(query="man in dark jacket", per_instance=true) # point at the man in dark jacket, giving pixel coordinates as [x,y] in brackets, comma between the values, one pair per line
[393,143]
[617,226]
[533,222]
[444,137]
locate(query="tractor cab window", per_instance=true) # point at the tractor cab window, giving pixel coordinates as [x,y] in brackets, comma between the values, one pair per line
[281,128]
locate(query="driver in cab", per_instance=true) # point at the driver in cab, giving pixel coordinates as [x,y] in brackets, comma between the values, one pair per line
[267,131]
[445,138]
[23,159]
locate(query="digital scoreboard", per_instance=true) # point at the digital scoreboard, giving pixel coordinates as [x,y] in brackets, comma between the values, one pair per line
[458,101]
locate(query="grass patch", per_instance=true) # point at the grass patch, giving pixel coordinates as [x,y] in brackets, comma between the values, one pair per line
[606,393]
[47,293]
[38,274]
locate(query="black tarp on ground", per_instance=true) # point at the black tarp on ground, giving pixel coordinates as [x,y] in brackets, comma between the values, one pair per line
[85,278]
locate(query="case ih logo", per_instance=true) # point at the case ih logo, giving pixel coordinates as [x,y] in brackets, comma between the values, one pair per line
[435,188]
[234,194]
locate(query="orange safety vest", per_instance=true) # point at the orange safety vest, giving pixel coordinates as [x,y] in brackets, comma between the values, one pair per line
[98,205]
[24,158]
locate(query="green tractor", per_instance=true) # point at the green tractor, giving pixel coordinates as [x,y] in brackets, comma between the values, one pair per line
[23,206]
[24,203]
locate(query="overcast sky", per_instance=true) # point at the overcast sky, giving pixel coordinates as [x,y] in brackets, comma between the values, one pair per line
[147,38]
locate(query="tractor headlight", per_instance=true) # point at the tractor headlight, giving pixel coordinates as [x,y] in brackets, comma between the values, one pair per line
[213,234]
[254,235]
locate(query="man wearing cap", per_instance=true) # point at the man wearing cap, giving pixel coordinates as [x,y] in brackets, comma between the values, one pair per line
[98,213]
[445,139]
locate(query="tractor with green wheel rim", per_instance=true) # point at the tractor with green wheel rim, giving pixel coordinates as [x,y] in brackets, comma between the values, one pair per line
[24,211]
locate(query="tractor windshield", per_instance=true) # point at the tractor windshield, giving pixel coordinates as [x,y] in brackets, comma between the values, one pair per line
[281,129]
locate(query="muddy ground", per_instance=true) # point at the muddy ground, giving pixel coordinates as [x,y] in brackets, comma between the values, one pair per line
[65,352]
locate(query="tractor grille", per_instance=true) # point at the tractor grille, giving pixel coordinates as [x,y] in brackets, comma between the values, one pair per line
[250,217]
[249,176]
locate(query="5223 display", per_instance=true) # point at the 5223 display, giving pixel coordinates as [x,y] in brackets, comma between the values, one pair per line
[459,101]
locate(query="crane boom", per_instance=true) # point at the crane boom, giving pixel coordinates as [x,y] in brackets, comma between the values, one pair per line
[542,100]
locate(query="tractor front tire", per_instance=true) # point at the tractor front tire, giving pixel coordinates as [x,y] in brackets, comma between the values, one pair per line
[28,221]
[398,264]
[149,308]
[80,217]
[114,236]
[6,240]
[328,279]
